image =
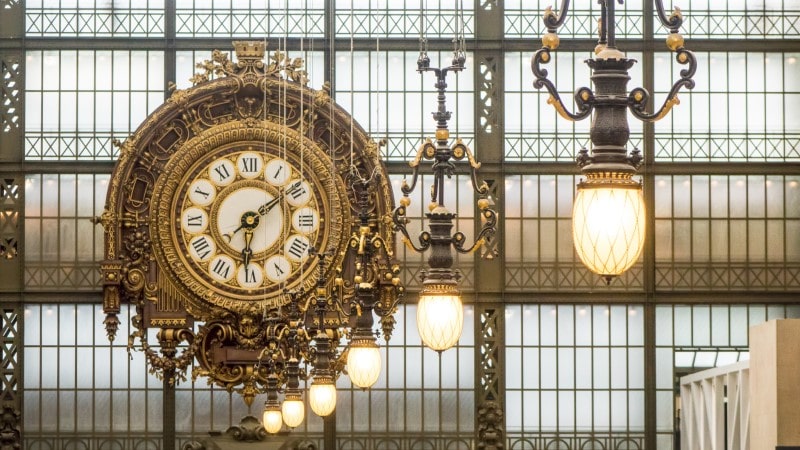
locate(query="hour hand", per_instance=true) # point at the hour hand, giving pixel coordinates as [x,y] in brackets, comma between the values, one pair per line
[247,253]
[248,221]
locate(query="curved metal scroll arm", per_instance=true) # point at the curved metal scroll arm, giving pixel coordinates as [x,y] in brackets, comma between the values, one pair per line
[638,98]
[553,21]
[400,221]
[460,151]
[674,21]
[487,230]
[584,97]
[425,151]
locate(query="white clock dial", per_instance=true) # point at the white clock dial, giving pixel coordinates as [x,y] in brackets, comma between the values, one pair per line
[194,220]
[202,248]
[202,192]
[277,172]
[249,165]
[300,195]
[296,247]
[222,268]
[240,202]
[277,268]
[222,172]
[305,220]
[250,277]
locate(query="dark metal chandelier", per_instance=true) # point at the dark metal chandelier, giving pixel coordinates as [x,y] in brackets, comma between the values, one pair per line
[439,311]
[609,210]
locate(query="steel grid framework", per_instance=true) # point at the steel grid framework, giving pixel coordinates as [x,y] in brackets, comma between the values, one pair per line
[694,292]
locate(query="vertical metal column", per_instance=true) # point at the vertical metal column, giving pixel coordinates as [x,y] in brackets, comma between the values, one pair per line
[12,201]
[329,422]
[169,46]
[649,262]
[168,410]
[12,129]
[168,405]
[489,270]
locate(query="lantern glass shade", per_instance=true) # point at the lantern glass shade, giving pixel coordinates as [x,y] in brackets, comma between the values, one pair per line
[364,364]
[322,398]
[272,420]
[608,227]
[440,318]
[293,411]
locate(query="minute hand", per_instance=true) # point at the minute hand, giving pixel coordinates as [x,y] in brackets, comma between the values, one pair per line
[266,207]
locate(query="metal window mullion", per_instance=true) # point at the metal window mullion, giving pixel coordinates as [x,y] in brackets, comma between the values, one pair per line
[538,229]
[574,368]
[610,374]
[405,383]
[591,346]
[540,365]
[710,222]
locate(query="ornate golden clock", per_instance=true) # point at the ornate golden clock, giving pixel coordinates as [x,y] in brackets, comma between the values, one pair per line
[215,204]
[237,214]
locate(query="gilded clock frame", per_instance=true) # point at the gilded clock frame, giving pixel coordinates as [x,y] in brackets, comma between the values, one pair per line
[252,100]
[202,297]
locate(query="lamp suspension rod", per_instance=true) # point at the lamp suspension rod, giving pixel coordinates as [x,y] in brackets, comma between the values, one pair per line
[609,26]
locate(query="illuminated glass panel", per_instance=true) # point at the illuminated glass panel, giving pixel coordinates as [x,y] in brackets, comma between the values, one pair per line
[391,18]
[697,337]
[740,19]
[419,390]
[62,246]
[726,232]
[574,372]
[76,381]
[249,18]
[533,129]
[744,108]
[386,95]
[94,18]
[77,101]
[539,249]
[523,19]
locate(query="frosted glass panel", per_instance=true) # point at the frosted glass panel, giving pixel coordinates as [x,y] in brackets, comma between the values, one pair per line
[564,380]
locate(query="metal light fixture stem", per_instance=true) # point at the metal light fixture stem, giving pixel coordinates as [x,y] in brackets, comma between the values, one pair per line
[322,394]
[272,417]
[609,210]
[439,311]
[292,408]
[363,356]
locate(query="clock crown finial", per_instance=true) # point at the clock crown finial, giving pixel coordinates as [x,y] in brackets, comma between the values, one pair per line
[252,50]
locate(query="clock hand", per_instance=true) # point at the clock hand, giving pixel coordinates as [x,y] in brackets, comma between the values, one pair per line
[266,207]
[249,221]
[247,253]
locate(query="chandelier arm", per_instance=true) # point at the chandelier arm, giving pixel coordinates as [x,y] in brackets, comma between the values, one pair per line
[388,309]
[584,98]
[399,218]
[404,186]
[460,150]
[674,21]
[553,21]
[638,98]
[487,232]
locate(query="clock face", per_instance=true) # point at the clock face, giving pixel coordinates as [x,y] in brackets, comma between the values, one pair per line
[248,219]
[237,219]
